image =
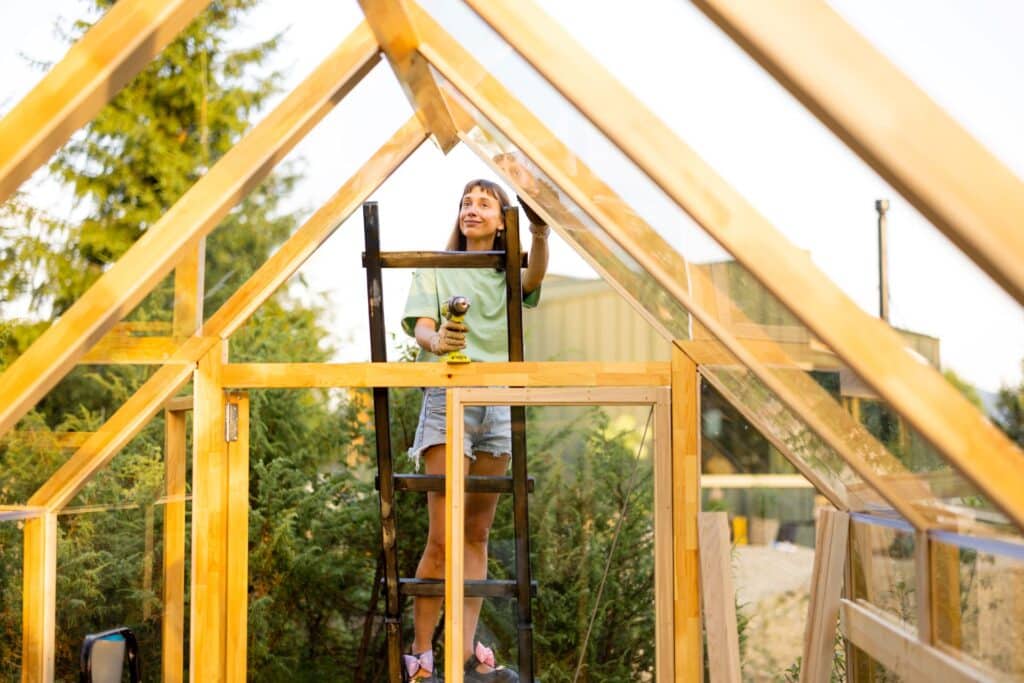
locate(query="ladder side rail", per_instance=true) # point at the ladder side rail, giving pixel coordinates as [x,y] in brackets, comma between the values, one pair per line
[385,465]
[520,508]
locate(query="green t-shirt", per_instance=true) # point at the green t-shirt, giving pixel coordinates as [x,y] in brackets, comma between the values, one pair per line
[487,339]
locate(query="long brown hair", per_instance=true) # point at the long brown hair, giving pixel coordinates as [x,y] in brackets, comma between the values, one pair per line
[457,241]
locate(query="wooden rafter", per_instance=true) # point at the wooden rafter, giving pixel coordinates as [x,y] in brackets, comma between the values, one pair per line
[194,215]
[390,22]
[869,346]
[564,373]
[96,67]
[961,187]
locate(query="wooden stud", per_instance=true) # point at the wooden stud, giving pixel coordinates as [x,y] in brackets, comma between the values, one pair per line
[209,522]
[946,617]
[39,599]
[919,149]
[559,396]
[899,651]
[685,512]
[315,231]
[128,281]
[454,533]
[530,374]
[719,598]
[173,622]
[664,521]
[189,279]
[397,37]
[794,388]
[237,592]
[178,404]
[96,67]
[869,346]
[830,547]
[923,586]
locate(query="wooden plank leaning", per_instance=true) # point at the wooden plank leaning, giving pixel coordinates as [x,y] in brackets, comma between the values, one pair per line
[974,445]
[719,598]
[192,217]
[826,585]
[94,69]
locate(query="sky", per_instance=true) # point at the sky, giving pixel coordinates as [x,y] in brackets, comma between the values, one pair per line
[967,56]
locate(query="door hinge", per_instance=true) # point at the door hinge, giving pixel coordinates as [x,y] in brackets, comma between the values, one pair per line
[231,422]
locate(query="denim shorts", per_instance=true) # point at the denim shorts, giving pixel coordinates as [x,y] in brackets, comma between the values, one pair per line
[488,429]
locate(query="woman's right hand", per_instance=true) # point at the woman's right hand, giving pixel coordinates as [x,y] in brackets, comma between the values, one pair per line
[450,337]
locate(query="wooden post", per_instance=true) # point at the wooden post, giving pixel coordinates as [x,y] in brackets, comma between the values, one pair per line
[945,604]
[826,585]
[173,623]
[189,276]
[664,572]
[237,590]
[454,518]
[209,522]
[923,588]
[39,599]
[719,598]
[685,510]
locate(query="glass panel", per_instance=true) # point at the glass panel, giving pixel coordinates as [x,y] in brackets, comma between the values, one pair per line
[109,575]
[978,600]
[883,569]
[727,293]
[11,549]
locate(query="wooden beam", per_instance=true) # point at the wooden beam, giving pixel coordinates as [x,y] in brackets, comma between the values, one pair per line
[945,600]
[899,651]
[559,396]
[95,68]
[237,590]
[12,513]
[179,404]
[795,389]
[830,547]
[276,270]
[664,540]
[172,623]
[891,123]
[39,599]
[529,374]
[208,620]
[151,258]
[397,37]
[719,598]
[129,350]
[755,481]
[454,534]
[189,279]
[121,428]
[923,586]
[685,512]
[869,346]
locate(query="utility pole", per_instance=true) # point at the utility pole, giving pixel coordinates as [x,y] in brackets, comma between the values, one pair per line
[881,206]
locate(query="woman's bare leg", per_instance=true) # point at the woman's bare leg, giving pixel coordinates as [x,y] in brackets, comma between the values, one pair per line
[426,610]
[480,508]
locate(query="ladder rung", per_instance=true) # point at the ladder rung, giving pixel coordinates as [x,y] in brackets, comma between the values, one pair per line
[474,483]
[487,588]
[443,259]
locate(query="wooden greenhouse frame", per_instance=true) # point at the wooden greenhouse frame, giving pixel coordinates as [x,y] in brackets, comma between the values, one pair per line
[949,177]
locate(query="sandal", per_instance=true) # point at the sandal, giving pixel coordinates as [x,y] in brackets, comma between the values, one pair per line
[484,655]
[420,668]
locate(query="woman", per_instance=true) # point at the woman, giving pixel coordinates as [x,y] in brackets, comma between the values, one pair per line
[483,337]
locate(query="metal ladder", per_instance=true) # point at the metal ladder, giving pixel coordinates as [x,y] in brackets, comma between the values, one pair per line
[388,482]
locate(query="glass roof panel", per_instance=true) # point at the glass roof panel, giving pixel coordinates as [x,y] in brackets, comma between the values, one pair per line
[649,244]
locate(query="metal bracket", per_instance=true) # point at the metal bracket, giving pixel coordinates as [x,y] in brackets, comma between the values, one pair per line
[231,422]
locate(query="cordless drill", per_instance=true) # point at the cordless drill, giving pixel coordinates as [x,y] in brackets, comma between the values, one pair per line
[454,309]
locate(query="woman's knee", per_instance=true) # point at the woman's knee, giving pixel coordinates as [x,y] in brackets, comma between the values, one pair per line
[477,531]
